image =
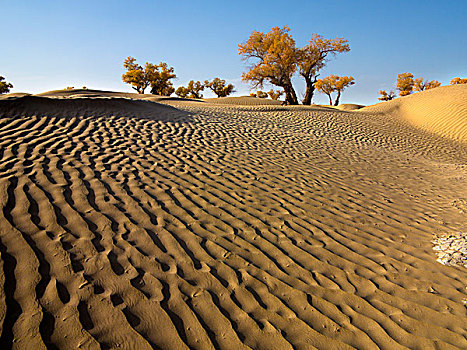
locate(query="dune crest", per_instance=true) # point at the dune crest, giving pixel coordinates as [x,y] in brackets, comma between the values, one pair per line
[442,110]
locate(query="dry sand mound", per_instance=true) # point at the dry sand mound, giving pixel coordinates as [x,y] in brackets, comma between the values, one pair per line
[79,106]
[442,110]
[243,101]
[344,106]
[134,225]
[80,93]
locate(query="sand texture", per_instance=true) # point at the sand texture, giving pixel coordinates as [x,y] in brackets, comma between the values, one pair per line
[127,223]
[442,110]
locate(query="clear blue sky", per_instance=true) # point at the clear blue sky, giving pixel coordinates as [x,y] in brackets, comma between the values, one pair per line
[49,45]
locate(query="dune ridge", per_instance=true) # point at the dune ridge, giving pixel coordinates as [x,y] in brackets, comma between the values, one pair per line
[442,110]
[179,224]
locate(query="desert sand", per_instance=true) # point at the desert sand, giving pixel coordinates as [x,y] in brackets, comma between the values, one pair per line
[136,222]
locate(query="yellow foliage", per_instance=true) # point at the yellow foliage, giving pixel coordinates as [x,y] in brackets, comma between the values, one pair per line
[313,56]
[275,94]
[161,84]
[193,90]
[140,78]
[386,96]
[405,83]
[458,81]
[276,59]
[4,86]
[333,83]
[218,87]
[420,85]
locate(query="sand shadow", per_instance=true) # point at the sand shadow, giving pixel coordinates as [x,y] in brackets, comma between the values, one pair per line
[91,107]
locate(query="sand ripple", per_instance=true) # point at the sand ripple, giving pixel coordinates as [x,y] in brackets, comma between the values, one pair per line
[137,225]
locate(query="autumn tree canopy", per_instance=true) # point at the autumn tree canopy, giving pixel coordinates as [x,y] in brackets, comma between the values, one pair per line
[333,83]
[193,90]
[313,56]
[458,80]
[275,94]
[261,94]
[386,96]
[156,76]
[421,85]
[219,87]
[138,77]
[161,84]
[405,83]
[4,86]
[275,59]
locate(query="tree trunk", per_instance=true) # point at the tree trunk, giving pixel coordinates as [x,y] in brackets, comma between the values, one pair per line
[310,90]
[336,103]
[330,99]
[290,95]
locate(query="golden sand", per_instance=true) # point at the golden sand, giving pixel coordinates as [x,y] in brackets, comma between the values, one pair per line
[162,223]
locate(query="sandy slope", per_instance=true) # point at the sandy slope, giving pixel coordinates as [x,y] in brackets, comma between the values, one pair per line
[442,111]
[135,225]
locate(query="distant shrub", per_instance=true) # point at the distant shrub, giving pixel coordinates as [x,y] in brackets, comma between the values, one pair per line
[275,94]
[386,96]
[69,88]
[261,94]
[405,83]
[157,76]
[4,86]
[420,85]
[219,88]
[458,80]
[193,90]
[333,83]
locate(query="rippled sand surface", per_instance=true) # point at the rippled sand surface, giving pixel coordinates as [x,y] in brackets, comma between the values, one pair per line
[167,224]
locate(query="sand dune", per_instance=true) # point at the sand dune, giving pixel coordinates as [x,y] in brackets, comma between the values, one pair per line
[175,224]
[442,110]
[243,101]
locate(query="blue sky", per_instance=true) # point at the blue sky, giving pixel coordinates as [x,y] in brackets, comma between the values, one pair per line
[49,45]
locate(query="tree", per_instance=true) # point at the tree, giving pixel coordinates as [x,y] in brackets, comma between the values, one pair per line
[420,85]
[218,87]
[261,94]
[458,80]
[405,83]
[140,78]
[313,56]
[340,85]
[385,96]
[4,86]
[333,83]
[275,94]
[193,90]
[182,92]
[275,60]
[161,84]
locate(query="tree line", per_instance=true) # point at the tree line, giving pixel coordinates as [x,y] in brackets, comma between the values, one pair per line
[406,84]
[159,78]
[272,58]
